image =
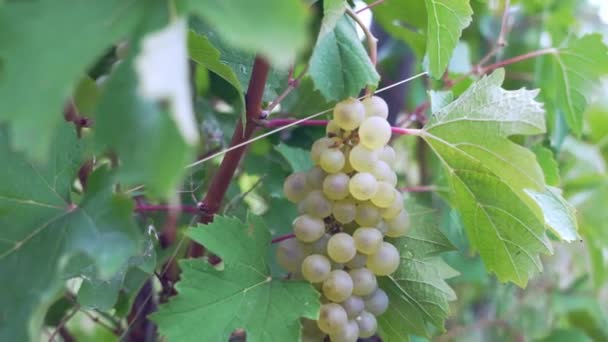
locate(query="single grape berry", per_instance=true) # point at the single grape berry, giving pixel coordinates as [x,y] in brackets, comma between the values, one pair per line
[341,247]
[295,187]
[385,261]
[332,318]
[376,303]
[308,229]
[338,286]
[367,324]
[374,132]
[362,186]
[316,268]
[375,106]
[349,114]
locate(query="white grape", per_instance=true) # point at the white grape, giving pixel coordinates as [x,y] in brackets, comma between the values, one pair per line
[344,211]
[332,160]
[395,208]
[332,318]
[308,229]
[385,261]
[362,158]
[320,246]
[349,114]
[364,281]
[316,268]
[295,187]
[335,186]
[377,302]
[367,240]
[398,225]
[375,106]
[320,146]
[357,261]
[387,154]
[317,205]
[353,306]
[367,214]
[315,177]
[348,333]
[384,173]
[374,132]
[362,186]
[384,196]
[341,248]
[332,129]
[290,254]
[367,324]
[338,286]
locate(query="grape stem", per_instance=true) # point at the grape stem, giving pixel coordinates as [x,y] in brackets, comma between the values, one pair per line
[142,208]
[282,238]
[283,122]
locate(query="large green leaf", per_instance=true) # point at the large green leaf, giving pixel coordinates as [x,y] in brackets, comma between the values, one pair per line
[42,230]
[339,65]
[45,48]
[578,68]
[418,292]
[445,19]
[244,294]
[497,185]
[298,158]
[275,28]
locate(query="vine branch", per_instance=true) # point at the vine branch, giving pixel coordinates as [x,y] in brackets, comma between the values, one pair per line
[372,42]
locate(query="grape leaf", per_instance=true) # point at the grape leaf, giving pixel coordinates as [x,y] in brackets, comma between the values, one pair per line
[244,293]
[418,293]
[492,178]
[578,68]
[298,159]
[547,162]
[54,59]
[445,19]
[333,10]
[275,28]
[43,230]
[339,65]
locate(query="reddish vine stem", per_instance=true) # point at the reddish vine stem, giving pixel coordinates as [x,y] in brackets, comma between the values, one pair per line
[419,188]
[373,4]
[283,238]
[191,209]
[283,122]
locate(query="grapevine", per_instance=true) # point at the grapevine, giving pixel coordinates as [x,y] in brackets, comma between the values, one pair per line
[347,204]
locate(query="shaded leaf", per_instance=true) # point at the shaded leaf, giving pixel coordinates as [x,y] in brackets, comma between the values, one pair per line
[298,158]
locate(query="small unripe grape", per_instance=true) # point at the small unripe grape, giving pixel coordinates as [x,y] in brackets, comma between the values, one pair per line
[341,247]
[362,186]
[375,106]
[349,333]
[367,240]
[395,208]
[364,281]
[367,214]
[398,225]
[317,205]
[332,160]
[367,324]
[374,132]
[353,306]
[376,303]
[308,228]
[385,261]
[344,211]
[362,158]
[338,286]
[315,177]
[387,154]
[332,318]
[384,173]
[384,196]
[316,268]
[349,114]
[319,147]
[335,186]
[358,261]
[290,254]
[332,129]
[295,187]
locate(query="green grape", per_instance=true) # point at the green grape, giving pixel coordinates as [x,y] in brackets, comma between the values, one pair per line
[332,160]
[384,196]
[308,228]
[290,254]
[375,106]
[349,114]
[367,240]
[335,186]
[341,247]
[349,333]
[317,205]
[376,303]
[395,208]
[320,246]
[362,158]
[332,129]
[387,154]
[315,177]
[353,306]
[357,261]
[319,147]
[398,225]
[367,214]
[316,268]
[364,281]
[384,173]
[362,186]
[332,318]
[344,211]
[375,132]
[367,324]
[295,187]
[385,261]
[338,286]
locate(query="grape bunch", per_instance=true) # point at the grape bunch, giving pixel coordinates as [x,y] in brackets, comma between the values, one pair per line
[347,204]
